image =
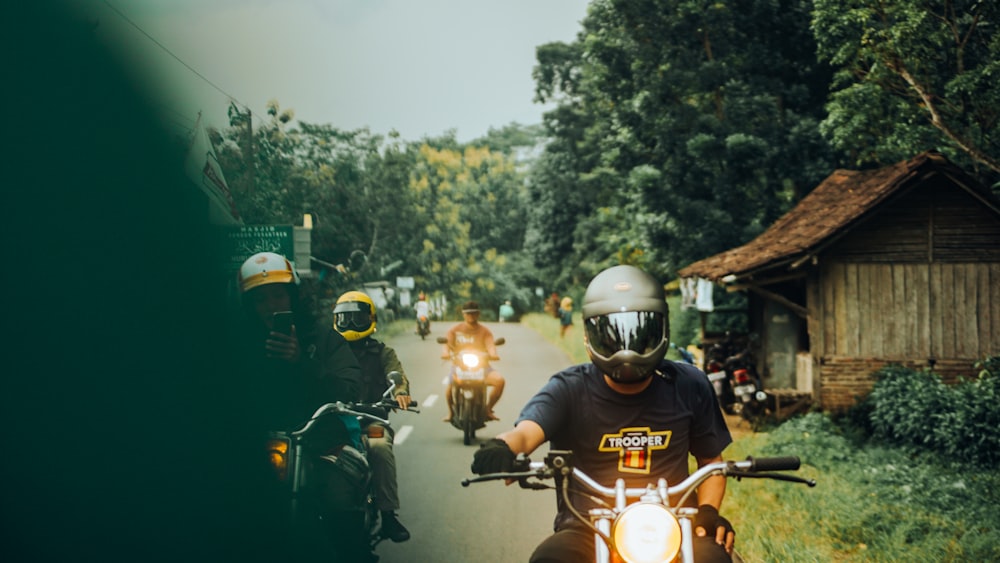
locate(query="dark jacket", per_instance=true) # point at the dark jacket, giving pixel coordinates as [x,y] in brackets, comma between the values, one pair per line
[286,394]
[376,361]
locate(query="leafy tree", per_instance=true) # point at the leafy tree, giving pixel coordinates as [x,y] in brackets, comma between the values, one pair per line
[687,127]
[470,203]
[353,182]
[913,75]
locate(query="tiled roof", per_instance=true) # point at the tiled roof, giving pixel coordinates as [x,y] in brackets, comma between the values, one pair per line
[836,204]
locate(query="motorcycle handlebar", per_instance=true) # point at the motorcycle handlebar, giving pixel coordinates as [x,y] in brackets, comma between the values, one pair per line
[788,463]
[355,409]
[750,467]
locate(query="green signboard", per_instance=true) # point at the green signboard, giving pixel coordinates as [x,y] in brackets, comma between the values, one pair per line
[242,242]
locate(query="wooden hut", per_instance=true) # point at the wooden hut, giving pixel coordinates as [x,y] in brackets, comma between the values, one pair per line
[895,265]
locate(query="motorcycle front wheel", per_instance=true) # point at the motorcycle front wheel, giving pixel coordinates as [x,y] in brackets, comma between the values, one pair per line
[468,427]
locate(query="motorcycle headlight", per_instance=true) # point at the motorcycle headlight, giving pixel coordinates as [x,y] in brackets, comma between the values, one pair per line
[470,361]
[277,455]
[647,533]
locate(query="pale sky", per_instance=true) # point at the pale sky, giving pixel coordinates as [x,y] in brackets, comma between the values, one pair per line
[420,67]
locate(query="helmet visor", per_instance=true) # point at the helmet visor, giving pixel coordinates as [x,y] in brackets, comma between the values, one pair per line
[638,331]
[352,316]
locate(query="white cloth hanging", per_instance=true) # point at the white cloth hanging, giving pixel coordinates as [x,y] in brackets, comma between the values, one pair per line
[703,299]
[689,291]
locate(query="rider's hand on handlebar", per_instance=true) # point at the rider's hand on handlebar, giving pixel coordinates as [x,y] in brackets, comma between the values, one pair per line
[403,401]
[708,519]
[495,456]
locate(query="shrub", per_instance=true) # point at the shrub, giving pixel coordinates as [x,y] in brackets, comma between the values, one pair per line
[916,410]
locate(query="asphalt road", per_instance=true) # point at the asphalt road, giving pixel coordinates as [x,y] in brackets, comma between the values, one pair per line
[485,522]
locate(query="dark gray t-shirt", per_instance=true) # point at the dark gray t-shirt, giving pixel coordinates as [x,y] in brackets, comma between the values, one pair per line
[638,438]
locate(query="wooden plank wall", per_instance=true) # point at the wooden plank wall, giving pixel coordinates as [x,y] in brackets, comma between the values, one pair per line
[907,311]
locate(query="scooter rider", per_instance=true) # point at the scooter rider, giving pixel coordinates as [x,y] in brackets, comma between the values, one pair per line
[628,414]
[354,317]
[422,309]
[472,334]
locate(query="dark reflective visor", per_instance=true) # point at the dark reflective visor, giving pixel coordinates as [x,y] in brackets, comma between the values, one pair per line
[352,316]
[638,331]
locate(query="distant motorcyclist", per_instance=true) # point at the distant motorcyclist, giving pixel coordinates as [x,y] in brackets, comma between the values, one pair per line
[354,317]
[423,311]
[506,312]
[472,334]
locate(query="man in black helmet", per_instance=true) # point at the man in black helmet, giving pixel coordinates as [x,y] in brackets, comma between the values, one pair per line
[628,386]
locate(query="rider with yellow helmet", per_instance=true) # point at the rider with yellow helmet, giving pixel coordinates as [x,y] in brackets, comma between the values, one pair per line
[355,318]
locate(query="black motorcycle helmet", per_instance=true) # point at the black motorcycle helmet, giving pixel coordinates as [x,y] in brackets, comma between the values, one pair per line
[626,329]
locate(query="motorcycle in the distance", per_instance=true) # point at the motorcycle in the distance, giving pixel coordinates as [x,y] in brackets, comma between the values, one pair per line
[327,485]
[468,389]
[747,387]
[715,369]
[423,326]
[733,372]
[638,525]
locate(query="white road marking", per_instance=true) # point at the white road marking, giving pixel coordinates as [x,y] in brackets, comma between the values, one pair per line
[401,435]
[429,401]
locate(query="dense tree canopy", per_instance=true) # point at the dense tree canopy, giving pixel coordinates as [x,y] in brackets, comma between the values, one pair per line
[446,214]
[690,127]
[678,129]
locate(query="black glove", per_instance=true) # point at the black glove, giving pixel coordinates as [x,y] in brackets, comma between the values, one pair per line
[495,456]
[708,518]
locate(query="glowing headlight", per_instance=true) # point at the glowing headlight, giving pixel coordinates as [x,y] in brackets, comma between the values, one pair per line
[470,360]
[647,533]
[277,455]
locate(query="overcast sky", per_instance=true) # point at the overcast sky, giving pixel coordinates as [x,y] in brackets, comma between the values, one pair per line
[420,67]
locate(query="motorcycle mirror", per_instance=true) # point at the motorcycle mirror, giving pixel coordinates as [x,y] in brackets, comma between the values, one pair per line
[394,378]
[499,341]
[442,340]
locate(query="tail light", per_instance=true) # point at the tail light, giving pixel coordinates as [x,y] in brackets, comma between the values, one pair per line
[742,376]
[277,452]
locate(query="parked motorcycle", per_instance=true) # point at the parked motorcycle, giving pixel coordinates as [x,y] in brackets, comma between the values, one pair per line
[328,486]
[468,388]
[715,368]
[733,372]
[423,326]
[747,387]
[638,525]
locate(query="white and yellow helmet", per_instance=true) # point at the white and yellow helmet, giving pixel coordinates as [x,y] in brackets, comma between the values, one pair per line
[264,268]
[354,316]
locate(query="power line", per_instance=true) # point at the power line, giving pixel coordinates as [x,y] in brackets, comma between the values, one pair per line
[175,57]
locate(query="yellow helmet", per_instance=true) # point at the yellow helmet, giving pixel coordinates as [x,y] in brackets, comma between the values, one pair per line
[264,268]
[354,315]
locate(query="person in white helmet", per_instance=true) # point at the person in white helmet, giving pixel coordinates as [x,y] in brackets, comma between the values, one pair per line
[296,366]
[627,385]
[317,363]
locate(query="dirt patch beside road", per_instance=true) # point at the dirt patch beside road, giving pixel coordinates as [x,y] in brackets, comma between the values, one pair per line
[738,427]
